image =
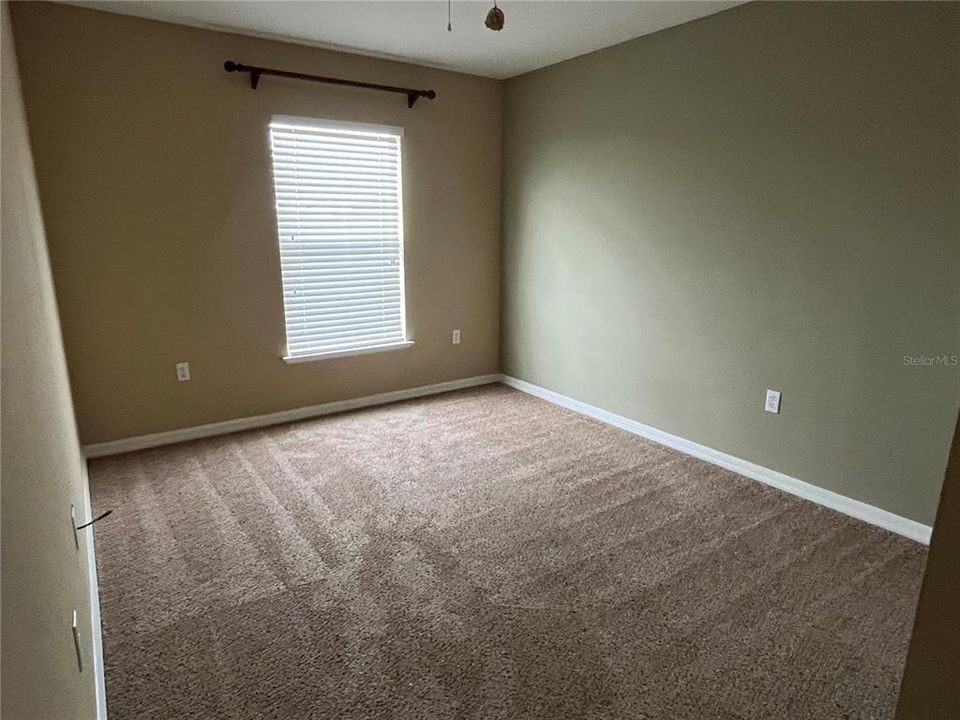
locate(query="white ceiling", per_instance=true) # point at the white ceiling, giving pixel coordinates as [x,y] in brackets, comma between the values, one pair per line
[536,33]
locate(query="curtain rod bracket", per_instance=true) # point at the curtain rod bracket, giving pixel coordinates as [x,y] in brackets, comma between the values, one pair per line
[255,72]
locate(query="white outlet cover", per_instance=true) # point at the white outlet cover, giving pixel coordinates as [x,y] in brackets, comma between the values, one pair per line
[772,404]
[183,371]
[456,337]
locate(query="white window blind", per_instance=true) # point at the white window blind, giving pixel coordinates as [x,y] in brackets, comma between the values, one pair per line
[339,220]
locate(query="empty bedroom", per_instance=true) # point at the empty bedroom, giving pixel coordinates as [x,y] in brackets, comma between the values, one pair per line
[475,360]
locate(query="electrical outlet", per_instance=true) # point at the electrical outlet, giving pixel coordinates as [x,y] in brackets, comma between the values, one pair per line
[456,337]
[772,404]
[183,371]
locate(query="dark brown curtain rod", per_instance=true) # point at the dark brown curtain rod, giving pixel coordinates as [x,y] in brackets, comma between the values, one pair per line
[256,72]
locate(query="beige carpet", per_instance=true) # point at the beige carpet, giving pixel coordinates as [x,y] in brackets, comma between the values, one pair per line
[484,555]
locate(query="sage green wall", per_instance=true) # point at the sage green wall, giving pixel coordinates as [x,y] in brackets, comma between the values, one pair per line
[765,198]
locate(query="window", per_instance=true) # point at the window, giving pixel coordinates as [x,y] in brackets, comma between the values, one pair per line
[340,224]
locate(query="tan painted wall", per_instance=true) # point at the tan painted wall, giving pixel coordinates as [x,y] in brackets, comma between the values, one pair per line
[44,576]
[930,690]
[154,173]
[764,198]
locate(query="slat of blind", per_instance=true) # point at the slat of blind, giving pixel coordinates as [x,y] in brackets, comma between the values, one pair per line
[348,314]
[365,277]
[314,239]
[286,144]
[298,182]
[347,137]
[337,191]
[338,260]
[316,273]
[294,221]
[341,144]
[335,252]
[338,254]
[304,185]
[319,203]
[309,190]
[307,208]
[337,160]
[301,298]
[293,180]
[338,302]
[303,311]
[347,319]
[326,232]
[384,322]
[339,257]
[337,198]
[287,169]
[372,186]
[316,344]
[340,288]
[345,244]
[338,243]
[324,166]
[345,347]
[342,276]
[300,134]
[331,328]
[303,315]
[306,205]
[336,157]
[307,306]
[321,169]
[339,338]
[343,290]
[309,315]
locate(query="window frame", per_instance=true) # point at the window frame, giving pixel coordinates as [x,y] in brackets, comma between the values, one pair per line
[346,127]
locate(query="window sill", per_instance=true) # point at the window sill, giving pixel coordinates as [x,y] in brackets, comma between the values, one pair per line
[347,353]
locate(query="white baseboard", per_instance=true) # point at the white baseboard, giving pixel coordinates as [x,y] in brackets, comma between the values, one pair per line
[96,637]
[848,506]
[141,442]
